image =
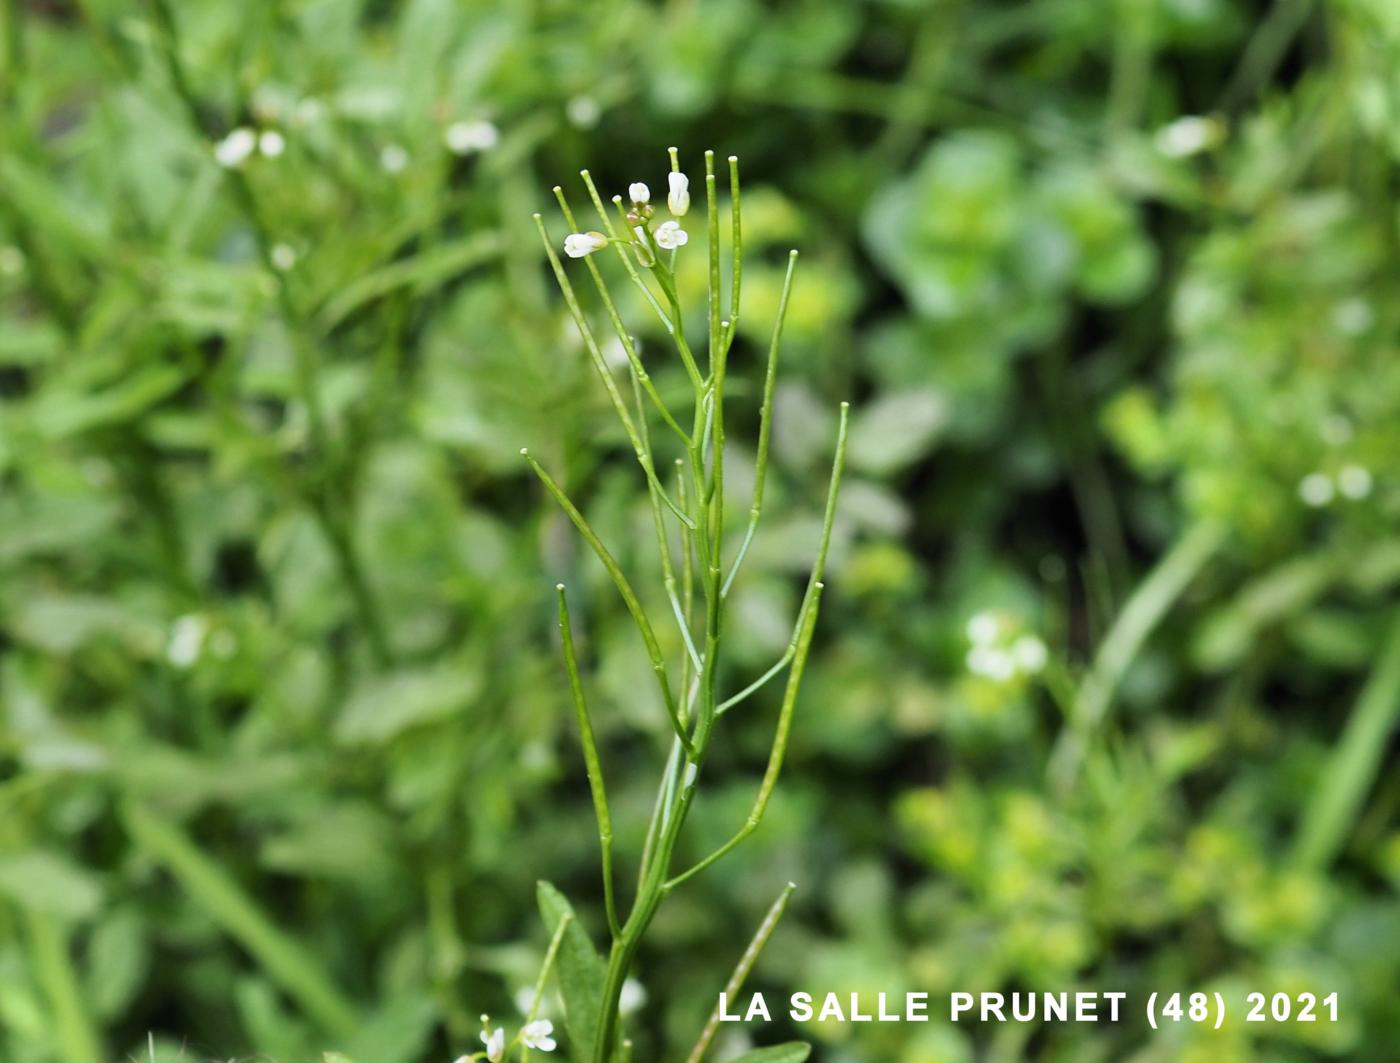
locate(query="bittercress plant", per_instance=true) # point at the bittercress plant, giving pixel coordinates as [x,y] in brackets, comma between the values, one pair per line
[698,567]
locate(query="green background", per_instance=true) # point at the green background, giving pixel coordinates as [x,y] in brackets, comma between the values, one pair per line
[285,740]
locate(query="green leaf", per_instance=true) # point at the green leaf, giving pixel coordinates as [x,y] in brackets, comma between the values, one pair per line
[791,1052]
[42,881]
[582,972]
[385,706]
[397,1032]
[897,429]
[118,961]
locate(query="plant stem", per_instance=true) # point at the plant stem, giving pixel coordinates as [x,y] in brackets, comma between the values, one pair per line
[590,758]
[76,1038]
[1139,616]
[742,969]
[208,885]
[1355,762]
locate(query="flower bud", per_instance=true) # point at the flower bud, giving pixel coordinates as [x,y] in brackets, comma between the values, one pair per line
[577,245]
[638,192]
[678,199]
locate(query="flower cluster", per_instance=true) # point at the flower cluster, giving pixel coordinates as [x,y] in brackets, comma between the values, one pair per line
[235,149]
[997,652]
[537,1034]
[668,235]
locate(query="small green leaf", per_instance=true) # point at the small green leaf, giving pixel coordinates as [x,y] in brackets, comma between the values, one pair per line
[385,706]
[44,881]
[581,972]
[792,1052]
[396,1032]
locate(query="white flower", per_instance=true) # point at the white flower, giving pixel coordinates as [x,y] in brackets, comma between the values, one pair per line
[1355,481]
[583,111]
[537,1034]
[271,143]
[576,245]
[983,628]
[637,192]
[670,235]
[394,158]
[308,111]
[632,997]
[495,1043]
[463,1059]
[235,148]
[1188,135]
[994,664]
[463,138]
[1030,653]
[678,199]
[11,260]
[186,640]
[1315,489]
[283,256]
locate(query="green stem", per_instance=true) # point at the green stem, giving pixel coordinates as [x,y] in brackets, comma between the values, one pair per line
[590,759]
[53,965]
[742,969]
[624,588]
[1138,618]
[1355,762]
[238,914]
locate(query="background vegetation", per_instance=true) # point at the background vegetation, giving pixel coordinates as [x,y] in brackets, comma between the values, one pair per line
[1109,665]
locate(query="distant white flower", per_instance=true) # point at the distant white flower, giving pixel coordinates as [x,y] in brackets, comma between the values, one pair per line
[463,1059]
[1188,135]
[495,1043]
[1315,489]
[463,138]
[983,628]
[638,192]
[186,640]
[991,663]
[583,111]
[271,143]
[670,235]
[678,198]
[1030,653]
[537,1034]
[614,354]
[632,997]
[393,158]
[235,148]
[1353,316]
[1336,429]
[283,256]
[11,260]
[576,245]
[1354,481]
[308,111]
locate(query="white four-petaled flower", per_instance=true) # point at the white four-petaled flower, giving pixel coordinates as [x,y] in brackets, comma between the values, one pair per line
[639,192]
[678,199]
[576,245]
[495,1043]
[234,149]
[538,1034]
[463,138]
[670,235]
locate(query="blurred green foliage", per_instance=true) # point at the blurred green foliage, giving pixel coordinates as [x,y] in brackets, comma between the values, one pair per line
[284,740]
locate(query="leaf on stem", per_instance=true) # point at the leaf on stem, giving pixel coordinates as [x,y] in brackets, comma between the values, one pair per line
[582,971]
